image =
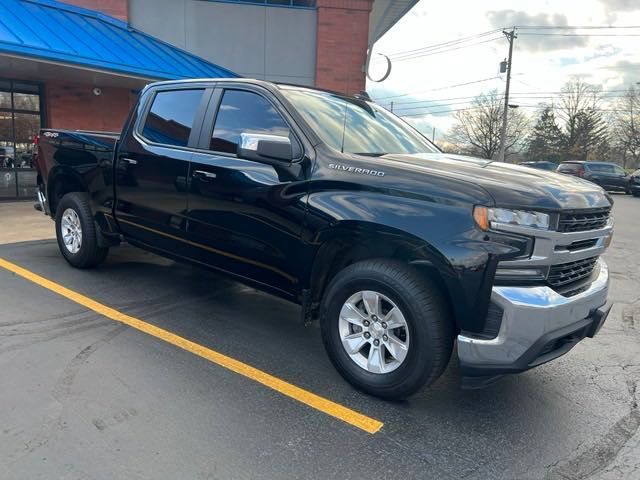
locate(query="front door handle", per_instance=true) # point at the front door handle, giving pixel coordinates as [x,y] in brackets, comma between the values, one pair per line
[129,160]
[202,173]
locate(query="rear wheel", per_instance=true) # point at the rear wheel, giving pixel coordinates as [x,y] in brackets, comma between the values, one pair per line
[386,328]
[76,232]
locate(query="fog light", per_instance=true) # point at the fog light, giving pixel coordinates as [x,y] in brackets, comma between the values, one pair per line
[510,274]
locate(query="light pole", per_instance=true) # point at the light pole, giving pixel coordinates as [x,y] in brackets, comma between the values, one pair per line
[511,36]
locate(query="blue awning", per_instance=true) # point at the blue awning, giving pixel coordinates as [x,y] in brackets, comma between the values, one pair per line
[53,31]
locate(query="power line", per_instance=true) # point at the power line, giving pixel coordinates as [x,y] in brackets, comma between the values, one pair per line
[582,34]
[464,100]
[439,88]
[441,111]
[426,109]
[436,46]
[446,50]
[576,27]
[422,114]
[545,94]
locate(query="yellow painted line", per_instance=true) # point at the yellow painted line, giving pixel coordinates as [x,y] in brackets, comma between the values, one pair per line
[322,404]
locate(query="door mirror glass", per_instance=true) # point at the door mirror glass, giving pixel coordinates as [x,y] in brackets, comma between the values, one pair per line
[265,148]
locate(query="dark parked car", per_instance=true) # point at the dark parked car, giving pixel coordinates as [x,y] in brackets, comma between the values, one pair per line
[543,165]
[330,201]
[634,183]
[608,175]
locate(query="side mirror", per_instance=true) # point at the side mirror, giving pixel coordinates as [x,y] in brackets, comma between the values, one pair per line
[274,149]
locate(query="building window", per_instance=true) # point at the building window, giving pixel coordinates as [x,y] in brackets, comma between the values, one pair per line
[20,120]
[274,3]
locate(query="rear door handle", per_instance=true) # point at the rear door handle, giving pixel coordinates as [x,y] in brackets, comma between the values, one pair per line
[202,173]
[129,160]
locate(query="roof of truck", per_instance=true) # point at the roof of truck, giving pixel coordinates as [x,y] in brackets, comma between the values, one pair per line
[263,83]
[52,31]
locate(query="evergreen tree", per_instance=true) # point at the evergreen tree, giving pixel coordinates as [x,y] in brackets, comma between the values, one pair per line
[545,141]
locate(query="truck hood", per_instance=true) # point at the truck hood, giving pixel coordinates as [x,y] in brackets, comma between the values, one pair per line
[509,185]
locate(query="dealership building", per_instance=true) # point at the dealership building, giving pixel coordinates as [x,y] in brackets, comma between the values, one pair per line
[80,64]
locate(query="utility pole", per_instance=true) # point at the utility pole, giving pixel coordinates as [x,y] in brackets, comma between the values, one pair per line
[511,36]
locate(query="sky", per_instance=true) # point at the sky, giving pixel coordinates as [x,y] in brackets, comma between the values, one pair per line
[421,83]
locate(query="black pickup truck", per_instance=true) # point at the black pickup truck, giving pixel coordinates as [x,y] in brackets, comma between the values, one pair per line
[399,250]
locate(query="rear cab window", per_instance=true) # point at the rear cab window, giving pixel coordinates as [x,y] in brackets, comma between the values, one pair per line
[170,118]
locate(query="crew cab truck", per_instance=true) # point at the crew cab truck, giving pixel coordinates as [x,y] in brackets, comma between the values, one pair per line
[400,251]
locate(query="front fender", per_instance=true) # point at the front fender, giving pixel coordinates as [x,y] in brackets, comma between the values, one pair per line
[441,236]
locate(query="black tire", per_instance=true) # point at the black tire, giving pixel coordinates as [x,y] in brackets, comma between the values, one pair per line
[427,316]
[89,254]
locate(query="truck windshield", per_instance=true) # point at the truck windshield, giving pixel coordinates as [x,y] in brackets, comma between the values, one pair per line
[356,126]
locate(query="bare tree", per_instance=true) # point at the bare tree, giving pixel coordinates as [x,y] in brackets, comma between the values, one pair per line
[477,129]
[626,131]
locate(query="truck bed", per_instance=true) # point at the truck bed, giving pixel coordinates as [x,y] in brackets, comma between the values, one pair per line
[86,156]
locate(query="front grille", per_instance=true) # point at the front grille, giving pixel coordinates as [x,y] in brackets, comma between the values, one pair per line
[580,222]
[566,273]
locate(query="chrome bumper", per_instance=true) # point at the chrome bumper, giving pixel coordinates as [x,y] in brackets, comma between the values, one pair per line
[533,319]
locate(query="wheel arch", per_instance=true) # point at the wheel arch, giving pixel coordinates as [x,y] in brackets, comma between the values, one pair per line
[355,241]
[61,181]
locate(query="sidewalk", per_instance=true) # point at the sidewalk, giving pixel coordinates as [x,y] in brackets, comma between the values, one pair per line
[20,222]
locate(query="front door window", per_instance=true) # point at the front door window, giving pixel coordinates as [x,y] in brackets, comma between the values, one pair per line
[20,121]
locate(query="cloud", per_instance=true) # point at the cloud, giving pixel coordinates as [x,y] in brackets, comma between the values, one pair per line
[621,5]
[537,43]
[627,72]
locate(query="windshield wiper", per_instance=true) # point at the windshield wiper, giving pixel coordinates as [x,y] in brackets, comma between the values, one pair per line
[371,154]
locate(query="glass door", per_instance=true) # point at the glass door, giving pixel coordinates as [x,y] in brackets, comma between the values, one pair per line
[20,121]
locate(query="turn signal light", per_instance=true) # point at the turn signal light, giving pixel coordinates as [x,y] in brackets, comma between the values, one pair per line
[481,216]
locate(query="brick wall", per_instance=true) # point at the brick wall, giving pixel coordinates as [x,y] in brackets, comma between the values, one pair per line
[76,107]
[343,31]
[115,8]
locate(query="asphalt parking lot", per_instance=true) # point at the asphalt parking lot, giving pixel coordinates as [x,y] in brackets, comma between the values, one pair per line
[85,397]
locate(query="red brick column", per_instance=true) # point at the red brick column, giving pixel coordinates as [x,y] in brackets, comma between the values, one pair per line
[341,45]
[115,8]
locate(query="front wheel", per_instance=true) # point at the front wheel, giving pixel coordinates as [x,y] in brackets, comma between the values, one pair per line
[76,232]
[386,328]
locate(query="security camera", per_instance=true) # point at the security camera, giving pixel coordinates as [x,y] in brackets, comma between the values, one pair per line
[97,91]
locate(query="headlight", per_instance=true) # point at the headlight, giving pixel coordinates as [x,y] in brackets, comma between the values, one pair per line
[487,218]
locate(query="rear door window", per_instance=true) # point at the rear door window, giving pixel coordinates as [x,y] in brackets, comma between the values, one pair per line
[245,112]
[171,116]
[606,169]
